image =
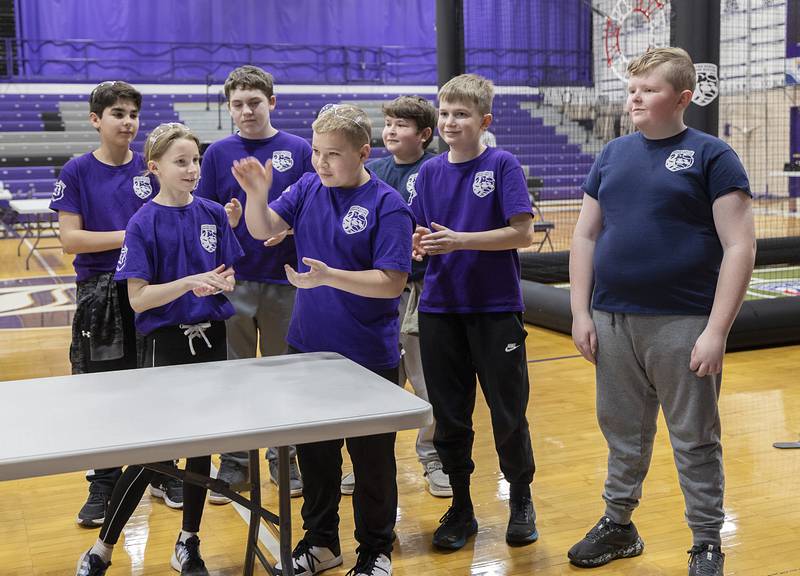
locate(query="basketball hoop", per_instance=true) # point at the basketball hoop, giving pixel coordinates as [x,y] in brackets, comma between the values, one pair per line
[622,28]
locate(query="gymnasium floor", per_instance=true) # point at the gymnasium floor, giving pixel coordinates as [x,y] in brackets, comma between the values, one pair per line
[760,404]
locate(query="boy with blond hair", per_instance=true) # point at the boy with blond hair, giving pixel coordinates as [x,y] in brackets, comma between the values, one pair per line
[473,211]
[353,236]
[660,261]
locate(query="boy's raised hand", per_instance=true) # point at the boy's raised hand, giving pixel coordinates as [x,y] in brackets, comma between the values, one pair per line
[441,241]
[252,176]
[234,211]
[417,251]
[707,354]
[311,279]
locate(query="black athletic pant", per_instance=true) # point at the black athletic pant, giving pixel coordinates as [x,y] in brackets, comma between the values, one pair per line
[166,347]
[375,495]
[455,349]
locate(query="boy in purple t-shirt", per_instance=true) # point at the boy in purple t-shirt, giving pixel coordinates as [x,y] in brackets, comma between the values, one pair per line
[263,298]
[95,196]
[350,229]
[473,212]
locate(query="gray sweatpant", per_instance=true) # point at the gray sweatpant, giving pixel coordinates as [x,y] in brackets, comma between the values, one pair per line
[643,362]
[263,312]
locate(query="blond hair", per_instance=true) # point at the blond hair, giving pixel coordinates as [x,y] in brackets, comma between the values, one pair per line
[471,89]
[350,120]
[162,137]
[678,68]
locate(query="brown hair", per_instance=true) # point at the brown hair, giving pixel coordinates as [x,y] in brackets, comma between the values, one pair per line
[678,68]
[249,77]
[108,93]
[350,120]
[162,137]
[416,109]
[471,89]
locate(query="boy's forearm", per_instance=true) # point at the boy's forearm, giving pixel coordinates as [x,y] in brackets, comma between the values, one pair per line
[734,278]
[507,238]
[150,296]
[87,241]
[581,275]
[367,283]
[262,221]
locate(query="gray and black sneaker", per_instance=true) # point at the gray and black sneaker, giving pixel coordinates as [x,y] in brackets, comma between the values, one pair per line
[605,542]
[91,565]
[235,475]
[295,478]
[93,512]
[706,560]
[170,490]
[186,558]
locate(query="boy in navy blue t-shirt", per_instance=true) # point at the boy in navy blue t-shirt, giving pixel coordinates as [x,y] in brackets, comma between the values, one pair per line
[263,297]
[473,211]
[353,238]
[660,261]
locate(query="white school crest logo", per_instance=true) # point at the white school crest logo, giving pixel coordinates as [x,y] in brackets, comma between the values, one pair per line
[483,185]
[680,160]
[142,187]
[411,188]
[355,220]
[282,160]
[58,190]
[123,256]
[707,87]
[208,237]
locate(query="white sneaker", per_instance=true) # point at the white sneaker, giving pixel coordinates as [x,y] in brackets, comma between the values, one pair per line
[310,560]
[438,481]
[370,564]
[348,485]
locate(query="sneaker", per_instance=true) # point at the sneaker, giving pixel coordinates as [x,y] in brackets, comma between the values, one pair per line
[605,542]
[706,560]
[170,490]
[91,565]
[310,560]
[438,481]
[348,485]
[93,512]
[456,527]
[371,564]
[186,558]
[521,522]
[235,475]
[295,479]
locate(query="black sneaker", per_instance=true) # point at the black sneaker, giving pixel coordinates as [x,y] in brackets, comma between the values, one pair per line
[706,560]
[457,525]
[170,490]
[371,564]
[93,512]
[186,558]
[521,522]
[605,542]
[91,565]
[235,475]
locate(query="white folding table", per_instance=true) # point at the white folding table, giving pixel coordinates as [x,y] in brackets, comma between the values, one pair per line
[201,409]
[38,222]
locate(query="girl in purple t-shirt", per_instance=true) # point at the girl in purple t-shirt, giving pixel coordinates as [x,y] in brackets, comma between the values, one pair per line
[177,259]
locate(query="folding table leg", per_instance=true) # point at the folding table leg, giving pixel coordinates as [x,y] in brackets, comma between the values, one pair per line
[285,511]
[255,518]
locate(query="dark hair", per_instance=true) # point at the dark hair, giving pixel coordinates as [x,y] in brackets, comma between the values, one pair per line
[108,93]
[249,77]
[415,108]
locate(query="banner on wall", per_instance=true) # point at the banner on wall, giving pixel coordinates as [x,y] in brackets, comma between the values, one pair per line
[793,41]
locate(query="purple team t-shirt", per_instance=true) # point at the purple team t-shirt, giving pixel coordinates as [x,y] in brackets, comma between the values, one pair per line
[165,243]
[105,197]
[362,228]
[475,196]
[291,158]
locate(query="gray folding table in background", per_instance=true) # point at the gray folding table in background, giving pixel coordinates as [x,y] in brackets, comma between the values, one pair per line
[156,414]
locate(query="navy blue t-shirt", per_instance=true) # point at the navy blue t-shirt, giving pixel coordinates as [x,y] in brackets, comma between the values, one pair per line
[658,251]
[402,178]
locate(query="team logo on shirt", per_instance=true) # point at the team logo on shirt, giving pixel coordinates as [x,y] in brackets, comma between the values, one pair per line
[680,160]
[142,187]
[707,86]
[123,257]
[282,160]
[355,220]
[411,187]
[208,237]
[58,190]
[483,185]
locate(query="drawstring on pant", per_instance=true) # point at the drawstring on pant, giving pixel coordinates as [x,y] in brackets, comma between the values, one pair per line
[192,331]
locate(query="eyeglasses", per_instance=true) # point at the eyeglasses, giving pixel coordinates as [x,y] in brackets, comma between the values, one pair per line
[162,129]
[103,85]
[338,110]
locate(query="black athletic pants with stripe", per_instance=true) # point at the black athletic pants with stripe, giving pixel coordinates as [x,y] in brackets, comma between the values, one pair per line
[455,349]
[166,347]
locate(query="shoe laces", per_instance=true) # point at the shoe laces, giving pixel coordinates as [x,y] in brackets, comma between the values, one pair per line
[96,498]
[366,564]
[433,466]
[603,527]
[303,550]
[520,511]
[188,553]
[707,559]
[171,484]
[453,514]
[294,469]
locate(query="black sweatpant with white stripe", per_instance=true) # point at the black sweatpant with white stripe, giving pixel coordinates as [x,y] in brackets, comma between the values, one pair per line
[455,349]
[166,346]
